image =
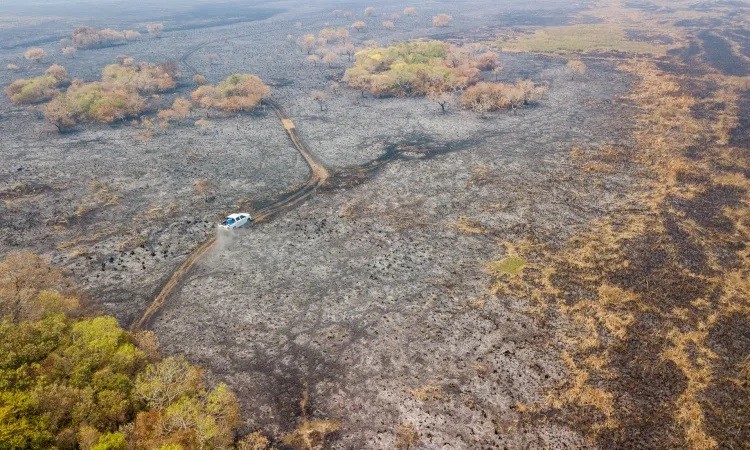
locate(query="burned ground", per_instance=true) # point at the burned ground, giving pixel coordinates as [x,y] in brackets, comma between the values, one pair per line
[385,295]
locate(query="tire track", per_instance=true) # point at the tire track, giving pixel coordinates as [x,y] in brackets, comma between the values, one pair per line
[318,175]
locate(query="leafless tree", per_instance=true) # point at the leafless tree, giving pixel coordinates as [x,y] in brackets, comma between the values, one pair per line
[321,97]
[155,29]
[34,54]
[442,20]
[576,66]
[359,25]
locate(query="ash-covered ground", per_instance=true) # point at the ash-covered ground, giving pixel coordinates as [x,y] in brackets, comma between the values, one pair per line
[373,293]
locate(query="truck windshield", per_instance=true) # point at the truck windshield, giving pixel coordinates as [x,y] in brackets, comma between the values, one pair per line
[228,221]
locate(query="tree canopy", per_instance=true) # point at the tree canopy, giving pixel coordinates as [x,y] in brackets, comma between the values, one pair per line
[68,382]
[411,69]
[238,92]
[119,94]
[38,89]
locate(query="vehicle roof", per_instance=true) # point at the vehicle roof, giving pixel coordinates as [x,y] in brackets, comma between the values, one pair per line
[236,215]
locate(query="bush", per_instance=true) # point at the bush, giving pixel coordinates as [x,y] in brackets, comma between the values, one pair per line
[239,92]
[93,102]
[89,37]
[145,78]
[34,54]
[38,89]
[442,20]
[410,69]
[118,96]
[485,97]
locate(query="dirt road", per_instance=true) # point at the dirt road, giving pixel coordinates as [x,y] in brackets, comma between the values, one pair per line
[318,175]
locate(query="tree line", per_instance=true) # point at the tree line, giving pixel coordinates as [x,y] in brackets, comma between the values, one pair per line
[73,381]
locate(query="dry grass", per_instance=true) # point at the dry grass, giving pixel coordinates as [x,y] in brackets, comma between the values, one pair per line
[99,195]
[468,226]
[407,436]
[582,283]
[429,393]
[310,434]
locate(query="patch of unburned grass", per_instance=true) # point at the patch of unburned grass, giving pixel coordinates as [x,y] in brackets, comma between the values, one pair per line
[597,38]
[510,265]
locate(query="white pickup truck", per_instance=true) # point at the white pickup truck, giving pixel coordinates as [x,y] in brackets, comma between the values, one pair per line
[235,221]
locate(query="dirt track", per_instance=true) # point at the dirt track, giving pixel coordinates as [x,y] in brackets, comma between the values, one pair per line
[318,175]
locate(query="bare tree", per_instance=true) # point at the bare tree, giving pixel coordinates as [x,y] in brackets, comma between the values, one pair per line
[329,58]
[349,50]
[34,54]
[442,20]
[389,25]
[497,71]
[314,59]
[369,11]
[308,43]
[321,97]
[442,97]
[410,11]
[199,80]
[359,25]
[69,51]
[576,66]
[131,35]
[155,29]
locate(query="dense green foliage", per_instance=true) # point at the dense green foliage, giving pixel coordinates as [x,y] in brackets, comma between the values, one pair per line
[412,68]
[37,89]
[86,383]
[119,95]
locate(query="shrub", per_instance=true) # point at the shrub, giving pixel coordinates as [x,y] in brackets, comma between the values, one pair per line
[485,97]
[442,20]
[359,25]
[89,37]
[34,54]
[94,102]
[389,25]
[239,92]
[38,89]
[410,11]
[487,61]
[132,35]
[333,35]
[146,78]
[409,69]
[576,66]
[155,29]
